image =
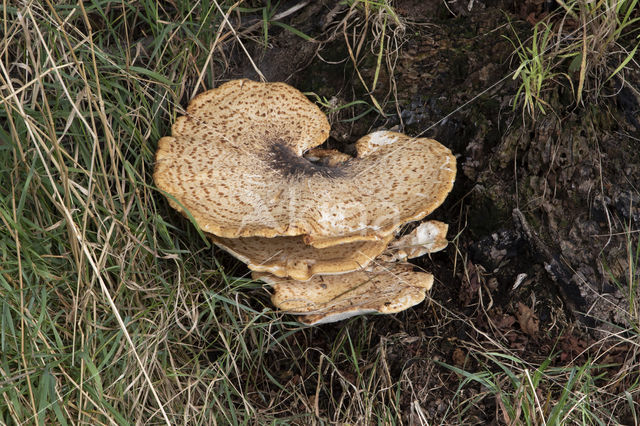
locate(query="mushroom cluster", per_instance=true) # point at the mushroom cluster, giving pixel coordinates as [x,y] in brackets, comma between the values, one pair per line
[317,225]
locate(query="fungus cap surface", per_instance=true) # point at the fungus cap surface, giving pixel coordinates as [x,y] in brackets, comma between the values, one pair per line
[387,289]
[235,162]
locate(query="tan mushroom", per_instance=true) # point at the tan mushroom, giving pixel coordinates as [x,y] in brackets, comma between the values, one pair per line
[428,237]
[235,162]
[383,287]
[291,257]
[244,162]
[389,288]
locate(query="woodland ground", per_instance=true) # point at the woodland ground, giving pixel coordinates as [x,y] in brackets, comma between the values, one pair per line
[115,310]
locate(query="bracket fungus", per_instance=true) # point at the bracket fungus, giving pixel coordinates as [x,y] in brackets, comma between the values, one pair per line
[291,257]
[245,163]
[386,289]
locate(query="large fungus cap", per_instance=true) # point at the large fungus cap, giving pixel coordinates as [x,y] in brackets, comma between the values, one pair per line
[235,162]
[389,288]
[291,257]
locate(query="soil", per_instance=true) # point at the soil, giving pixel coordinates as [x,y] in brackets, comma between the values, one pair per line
[541,212]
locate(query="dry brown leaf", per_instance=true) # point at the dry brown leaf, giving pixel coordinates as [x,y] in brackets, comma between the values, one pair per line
[505,322]
[459,357]
[528,320]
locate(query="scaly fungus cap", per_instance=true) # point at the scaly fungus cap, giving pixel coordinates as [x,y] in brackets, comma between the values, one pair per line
[235,162]
[389,288]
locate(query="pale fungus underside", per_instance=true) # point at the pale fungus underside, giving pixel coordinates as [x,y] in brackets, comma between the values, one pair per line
[428,237]
[244,162]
